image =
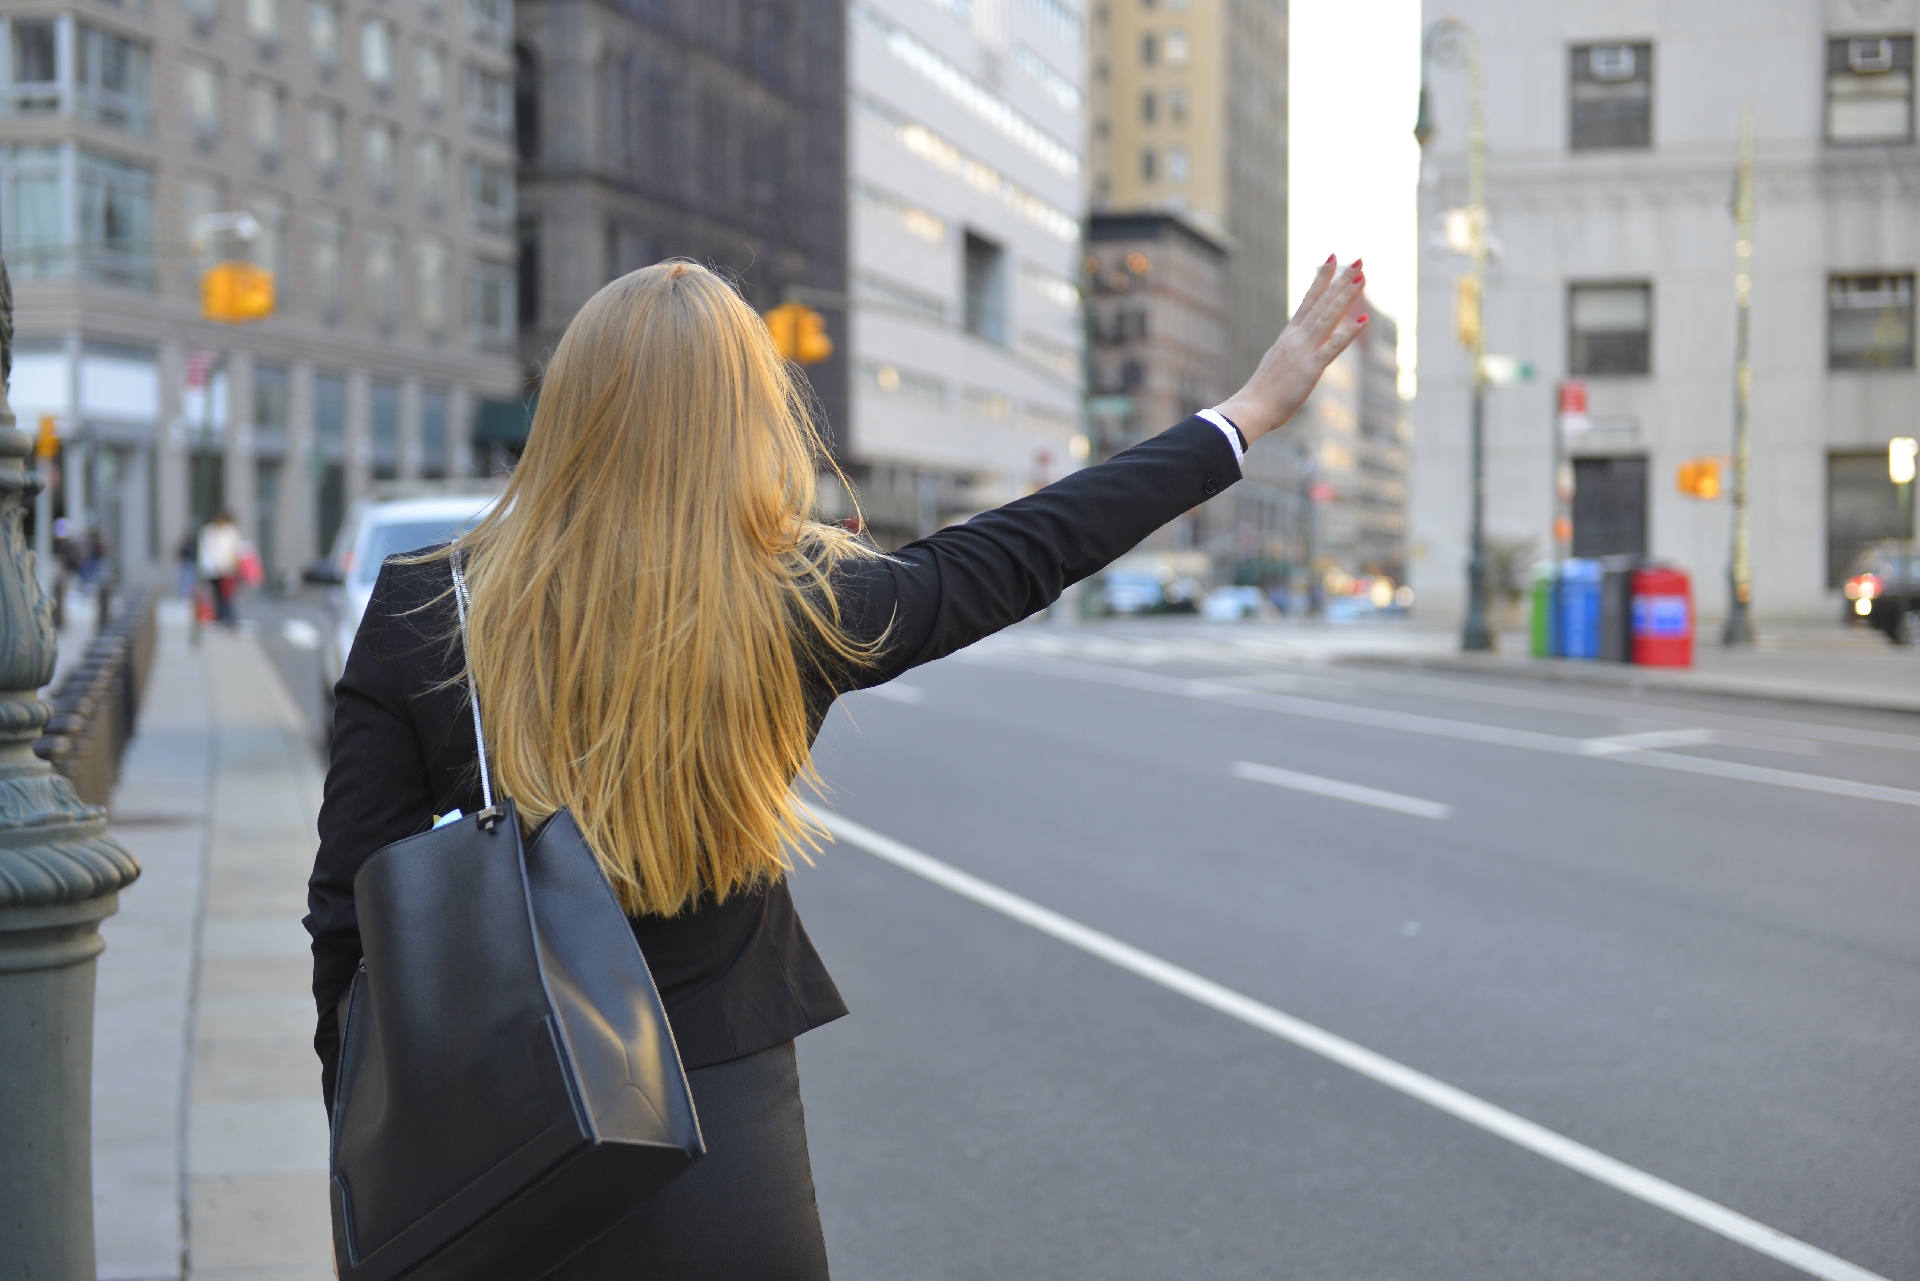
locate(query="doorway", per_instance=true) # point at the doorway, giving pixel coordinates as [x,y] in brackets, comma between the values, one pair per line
[1610,506]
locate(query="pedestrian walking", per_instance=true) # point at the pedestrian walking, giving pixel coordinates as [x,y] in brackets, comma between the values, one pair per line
[219,557]
[657,630]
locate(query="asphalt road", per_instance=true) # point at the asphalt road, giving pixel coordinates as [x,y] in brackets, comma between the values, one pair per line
[1711,977]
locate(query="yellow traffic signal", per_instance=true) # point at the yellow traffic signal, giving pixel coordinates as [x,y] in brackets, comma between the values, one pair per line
[47,443]
[799,333]
[1466,310]
[236,292]
[1700,477]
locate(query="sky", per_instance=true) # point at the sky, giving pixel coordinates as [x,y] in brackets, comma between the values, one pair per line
[1352,164]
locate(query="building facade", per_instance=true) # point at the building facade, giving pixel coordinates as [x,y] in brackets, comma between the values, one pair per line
[966,194]
[714,131]
[1613,140]
[370,146]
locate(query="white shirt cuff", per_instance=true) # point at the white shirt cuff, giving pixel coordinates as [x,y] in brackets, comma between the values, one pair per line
[1219,420]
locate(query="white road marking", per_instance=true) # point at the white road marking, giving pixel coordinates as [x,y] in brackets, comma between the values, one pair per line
[298,633]
[1613,744]
[1470,731]
[1457,1103]
[1342,791]
[899,693]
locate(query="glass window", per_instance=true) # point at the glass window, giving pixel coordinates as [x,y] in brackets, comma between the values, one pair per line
[33,223]
[1177,105]
[1609,329]
[383,276]
[1870,322]
[1870,89]
[35,63]
[112,78]
[1176,164]
[430,72]
[200,88]
[430,263]
[1610,96]
[430,172]
[1149,49]
[433,434]
[324,122]
[327,243]
[204,195]
[489,102]
[205,12]
[266,115]
[330,417]
[376,51]
[270,247]
[323,31]
[1147,105]
[114,220]
[488,22]
[1149,166]
[1177,51]
[383,423]
[489,196]
[490,304]
[380,144]
[263,19]
[986,285]
[272,396]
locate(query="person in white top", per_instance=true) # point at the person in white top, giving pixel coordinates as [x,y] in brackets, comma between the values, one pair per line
[220,562]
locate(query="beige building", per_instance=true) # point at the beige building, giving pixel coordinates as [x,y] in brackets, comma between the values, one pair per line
[370,146]
[1189,115]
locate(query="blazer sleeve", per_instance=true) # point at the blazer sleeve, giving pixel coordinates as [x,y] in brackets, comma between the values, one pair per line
[946,591]
[378,790]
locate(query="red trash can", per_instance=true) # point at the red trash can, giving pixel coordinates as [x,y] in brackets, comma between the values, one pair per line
[1662,617]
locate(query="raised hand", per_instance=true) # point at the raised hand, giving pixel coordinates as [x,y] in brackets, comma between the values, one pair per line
[1328,319]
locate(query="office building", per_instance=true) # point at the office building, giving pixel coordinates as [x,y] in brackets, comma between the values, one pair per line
[1613,140]
[369,143]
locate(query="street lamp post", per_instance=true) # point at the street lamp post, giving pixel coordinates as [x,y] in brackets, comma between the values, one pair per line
[60,875]
[1739,629]
[1453,43]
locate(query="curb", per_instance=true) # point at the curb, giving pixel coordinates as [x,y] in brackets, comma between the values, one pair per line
[1573,671]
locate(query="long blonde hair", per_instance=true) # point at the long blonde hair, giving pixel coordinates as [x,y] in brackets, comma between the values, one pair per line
[646,590]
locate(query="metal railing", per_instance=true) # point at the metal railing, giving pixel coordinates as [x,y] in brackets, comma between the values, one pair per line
[97,702]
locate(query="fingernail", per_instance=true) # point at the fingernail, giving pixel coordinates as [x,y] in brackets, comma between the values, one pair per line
[1361,321]
[1356,264]
[1333,258]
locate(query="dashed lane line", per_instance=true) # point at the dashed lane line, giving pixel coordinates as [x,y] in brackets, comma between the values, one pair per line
[1340,791]
[1457,1103]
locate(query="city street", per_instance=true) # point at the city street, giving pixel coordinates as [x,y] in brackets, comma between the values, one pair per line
[1542,901]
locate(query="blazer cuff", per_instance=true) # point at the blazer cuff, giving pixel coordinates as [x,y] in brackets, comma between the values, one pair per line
[1220,463]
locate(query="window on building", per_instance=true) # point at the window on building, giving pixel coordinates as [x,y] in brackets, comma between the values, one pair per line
[111,80]
[330,447]
[526,103]
[325,123]
[489,102]
[270,210]
[1610,506]
[327,261]
[1609,329]
[272,403]
[263,20]
[1176,165]
[380,143]
[376,52]
[34,64]
[433,434]
[430,72]
[33,220]
[323,32]
[986,288]
[1177,49]
[200,92]
[1148,104]
[266,116]
[1149,49]
[489,22]
[430,259]
[1177,105]
[383,429]
[1870,322]
[489,196]
[1863,507]
[1870,89]
[490,306]
[527,267]
[1149,164]
[430,173]
[114,220]
[202,196]
[205,13]
[1611,97]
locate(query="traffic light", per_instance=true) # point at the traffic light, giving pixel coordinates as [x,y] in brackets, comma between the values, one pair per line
[799,333]
[236,292]
[1700,477]
[1466,310]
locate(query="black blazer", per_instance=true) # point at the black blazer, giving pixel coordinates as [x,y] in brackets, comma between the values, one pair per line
[741,976]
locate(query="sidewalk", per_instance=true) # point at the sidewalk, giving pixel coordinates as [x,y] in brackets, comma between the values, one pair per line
[210,1142]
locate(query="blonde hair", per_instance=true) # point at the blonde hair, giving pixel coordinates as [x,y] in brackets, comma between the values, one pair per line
[646,590]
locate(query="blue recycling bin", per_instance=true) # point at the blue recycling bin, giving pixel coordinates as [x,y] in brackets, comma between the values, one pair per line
[1579,612]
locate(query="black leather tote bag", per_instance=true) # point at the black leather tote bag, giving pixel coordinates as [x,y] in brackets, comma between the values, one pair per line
[509,1087]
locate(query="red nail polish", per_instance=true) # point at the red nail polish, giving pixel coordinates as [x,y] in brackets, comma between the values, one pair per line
[1333,258]
[1360,320]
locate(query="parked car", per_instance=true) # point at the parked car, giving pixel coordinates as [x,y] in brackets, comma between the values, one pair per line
[1883,590]
[372,532]
[1132,591]
[1227,603]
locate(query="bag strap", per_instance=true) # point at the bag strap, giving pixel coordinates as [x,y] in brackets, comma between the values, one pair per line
[462,602]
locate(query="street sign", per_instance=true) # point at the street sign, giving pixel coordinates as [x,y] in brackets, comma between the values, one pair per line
[1110,406]
[1573,408]
[1505,371]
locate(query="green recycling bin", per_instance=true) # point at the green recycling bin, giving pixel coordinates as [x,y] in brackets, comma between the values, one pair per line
[1545,575]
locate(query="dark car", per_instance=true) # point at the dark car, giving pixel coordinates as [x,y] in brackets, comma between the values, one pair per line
[1883,590]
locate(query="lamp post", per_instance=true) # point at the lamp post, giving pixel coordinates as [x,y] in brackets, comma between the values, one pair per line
[60,875]
[1451,42]
[1739,629]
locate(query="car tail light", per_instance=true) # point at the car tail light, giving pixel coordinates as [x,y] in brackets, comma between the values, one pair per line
[1862,587]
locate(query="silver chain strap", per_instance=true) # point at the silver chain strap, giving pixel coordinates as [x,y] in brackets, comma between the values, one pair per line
[488,816]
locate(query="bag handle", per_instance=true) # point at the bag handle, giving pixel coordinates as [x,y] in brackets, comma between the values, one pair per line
[490,815]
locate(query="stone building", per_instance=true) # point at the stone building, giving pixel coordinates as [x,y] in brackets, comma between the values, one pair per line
[1613,140]
[369,142]
[667,128]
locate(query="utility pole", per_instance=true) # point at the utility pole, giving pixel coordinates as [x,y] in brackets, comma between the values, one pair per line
[1739,630]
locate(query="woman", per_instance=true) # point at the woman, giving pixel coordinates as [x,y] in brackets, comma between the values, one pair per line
[658,629]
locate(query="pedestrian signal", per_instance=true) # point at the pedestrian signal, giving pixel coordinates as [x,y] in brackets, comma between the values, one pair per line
[1466,310]
[799,333]
[1700,477]
[236,292]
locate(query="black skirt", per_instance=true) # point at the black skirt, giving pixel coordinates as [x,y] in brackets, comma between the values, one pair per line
[745,1211]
